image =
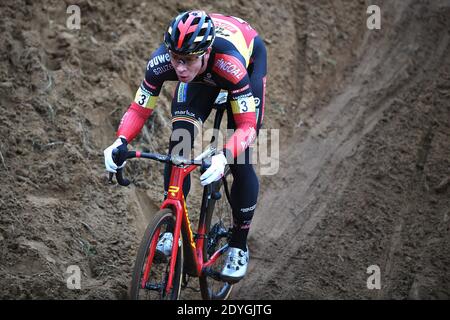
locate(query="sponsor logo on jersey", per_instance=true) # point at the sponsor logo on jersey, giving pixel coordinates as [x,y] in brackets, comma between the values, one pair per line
[229,67]
[185,113]
[162,58]
[149,85]
[221,26]
[241,89]
[162,69]
[249,139]
[243,96]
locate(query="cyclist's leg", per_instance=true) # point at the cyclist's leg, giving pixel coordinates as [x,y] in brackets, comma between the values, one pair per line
[244,195]
[191,106]
[245,188]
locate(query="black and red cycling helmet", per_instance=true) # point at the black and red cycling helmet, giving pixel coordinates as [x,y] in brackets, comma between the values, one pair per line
[191,32]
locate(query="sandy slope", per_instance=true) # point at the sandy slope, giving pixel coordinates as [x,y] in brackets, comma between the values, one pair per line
[365,190]
[364,153]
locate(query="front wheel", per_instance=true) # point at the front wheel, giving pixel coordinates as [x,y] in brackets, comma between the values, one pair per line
[151,269]
[219,223]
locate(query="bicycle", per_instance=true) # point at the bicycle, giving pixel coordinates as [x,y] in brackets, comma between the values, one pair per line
[198,254]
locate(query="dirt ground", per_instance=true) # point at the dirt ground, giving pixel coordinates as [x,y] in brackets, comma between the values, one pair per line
[364,165]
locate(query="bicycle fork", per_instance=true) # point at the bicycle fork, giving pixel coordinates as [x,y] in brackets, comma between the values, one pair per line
[176,239]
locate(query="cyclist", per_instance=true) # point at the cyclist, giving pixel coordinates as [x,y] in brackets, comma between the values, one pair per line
[207,54]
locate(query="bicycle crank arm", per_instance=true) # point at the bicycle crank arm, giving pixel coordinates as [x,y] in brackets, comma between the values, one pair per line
[210,272]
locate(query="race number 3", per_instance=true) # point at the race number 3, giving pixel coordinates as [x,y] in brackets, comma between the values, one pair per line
[142,97]
[243,105]
[246,104]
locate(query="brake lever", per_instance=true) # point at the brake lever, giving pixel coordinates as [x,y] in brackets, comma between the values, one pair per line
[110,178]
[206,163]
[119,172]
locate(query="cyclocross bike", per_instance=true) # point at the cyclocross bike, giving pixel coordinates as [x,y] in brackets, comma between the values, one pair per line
[200,254]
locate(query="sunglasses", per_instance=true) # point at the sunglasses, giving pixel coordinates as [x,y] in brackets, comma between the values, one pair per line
[185,59]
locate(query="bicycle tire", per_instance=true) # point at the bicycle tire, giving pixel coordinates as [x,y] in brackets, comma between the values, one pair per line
[218,220]
[163,221]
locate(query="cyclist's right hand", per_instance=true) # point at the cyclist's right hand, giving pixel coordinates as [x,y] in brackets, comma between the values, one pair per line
[116,160]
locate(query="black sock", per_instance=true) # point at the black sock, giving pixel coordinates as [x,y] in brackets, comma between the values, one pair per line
[239,238]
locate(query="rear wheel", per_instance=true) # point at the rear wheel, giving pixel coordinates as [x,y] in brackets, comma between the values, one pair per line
[219,223]
[151,269]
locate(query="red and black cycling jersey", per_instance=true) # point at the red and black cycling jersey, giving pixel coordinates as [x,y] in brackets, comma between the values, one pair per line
[230,57]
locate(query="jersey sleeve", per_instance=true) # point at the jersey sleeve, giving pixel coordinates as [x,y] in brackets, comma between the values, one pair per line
[158,70]
[230,68]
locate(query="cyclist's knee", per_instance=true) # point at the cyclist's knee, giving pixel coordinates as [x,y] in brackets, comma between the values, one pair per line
[245,178]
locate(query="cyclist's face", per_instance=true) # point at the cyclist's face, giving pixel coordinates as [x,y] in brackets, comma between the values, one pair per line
[186,66]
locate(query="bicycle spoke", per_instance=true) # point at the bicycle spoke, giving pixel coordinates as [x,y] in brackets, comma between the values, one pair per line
[151,272]
[220,222]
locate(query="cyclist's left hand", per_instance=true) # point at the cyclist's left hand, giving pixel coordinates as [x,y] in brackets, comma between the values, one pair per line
[215,171]
[112,163]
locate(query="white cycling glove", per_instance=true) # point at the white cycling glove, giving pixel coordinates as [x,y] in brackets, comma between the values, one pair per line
[215,171]
[110,165]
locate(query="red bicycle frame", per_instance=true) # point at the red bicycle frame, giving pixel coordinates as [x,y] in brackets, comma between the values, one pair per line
[175,200]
